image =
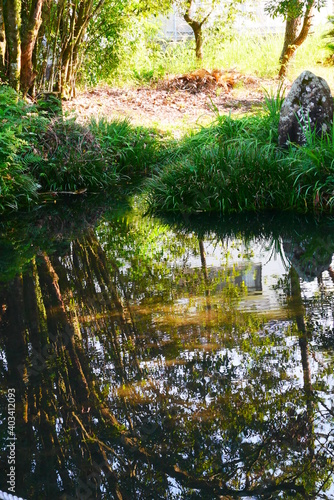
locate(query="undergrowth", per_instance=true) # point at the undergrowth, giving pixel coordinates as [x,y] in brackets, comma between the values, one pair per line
[236,165]
[233,165]
[17,186]
[42,151]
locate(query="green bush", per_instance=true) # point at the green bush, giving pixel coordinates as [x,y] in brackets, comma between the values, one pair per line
[17,186]
[223,178]
[231,166]
[312,168]
[73,159]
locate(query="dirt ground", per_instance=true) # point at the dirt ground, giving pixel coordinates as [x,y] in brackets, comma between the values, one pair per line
[177,102]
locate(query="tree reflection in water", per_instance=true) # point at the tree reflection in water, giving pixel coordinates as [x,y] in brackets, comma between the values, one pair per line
[139,376]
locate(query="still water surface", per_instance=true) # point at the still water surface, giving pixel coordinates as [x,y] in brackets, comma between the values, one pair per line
[167,359]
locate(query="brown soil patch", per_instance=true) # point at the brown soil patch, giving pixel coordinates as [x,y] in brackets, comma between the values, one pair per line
[177,101]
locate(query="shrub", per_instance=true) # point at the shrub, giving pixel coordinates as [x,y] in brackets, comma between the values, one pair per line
[134,150]
[73,158]
[313,171]
[17,186]
[224,178]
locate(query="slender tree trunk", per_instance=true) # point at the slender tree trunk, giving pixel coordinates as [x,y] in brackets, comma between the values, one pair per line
[2,43]
[197,29]
[60,10]
[203,259]
[305,355]
[206,283]
[292,25]
[29,38]
[196,26]
[293,40]
[199,42]
[12,17]
[41,52]
[67,51]
[59,323]
[78,18]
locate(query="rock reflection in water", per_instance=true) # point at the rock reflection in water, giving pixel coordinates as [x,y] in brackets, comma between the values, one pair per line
[139,374]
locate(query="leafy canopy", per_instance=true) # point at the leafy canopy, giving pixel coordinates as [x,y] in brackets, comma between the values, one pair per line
[290,8]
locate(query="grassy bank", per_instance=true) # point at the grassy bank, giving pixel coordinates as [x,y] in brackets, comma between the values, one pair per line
[236,165]
[43,152]
[233,165]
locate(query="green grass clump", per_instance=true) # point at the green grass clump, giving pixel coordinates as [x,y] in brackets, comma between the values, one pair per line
[133,150]
[225,178]
[236,165]
[102,155]
[313,171]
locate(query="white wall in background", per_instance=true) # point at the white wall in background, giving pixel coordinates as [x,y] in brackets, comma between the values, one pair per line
[175,27]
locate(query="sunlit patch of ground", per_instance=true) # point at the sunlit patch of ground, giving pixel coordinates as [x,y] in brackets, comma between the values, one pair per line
[176,103]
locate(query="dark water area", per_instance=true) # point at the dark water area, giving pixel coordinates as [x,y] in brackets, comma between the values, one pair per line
[186,358]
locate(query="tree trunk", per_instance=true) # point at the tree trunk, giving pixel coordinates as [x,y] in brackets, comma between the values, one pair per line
[12,17]
[2,43]
[199,42]
[197,29]
[292,39]
[60,324]
[291,31]
[60,10]
[29,38]
[67,47]
[196,26]
[305,356]
[70,54]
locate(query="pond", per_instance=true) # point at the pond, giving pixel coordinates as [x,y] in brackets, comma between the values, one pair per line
[186,358]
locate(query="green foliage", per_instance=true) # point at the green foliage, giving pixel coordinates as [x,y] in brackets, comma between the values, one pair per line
[123,37]
[223,178]
[102,155]
[134,289]
[46,152]
[16,185]
[125,43]
[329,36]
[212,12]
[139,54]
[235,165]
[102,45]
[313,170]
[231,166]
[73,159]
[133,150]
[145,58]
[290,8]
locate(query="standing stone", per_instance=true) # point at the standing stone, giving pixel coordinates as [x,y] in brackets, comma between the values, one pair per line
[309,104]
